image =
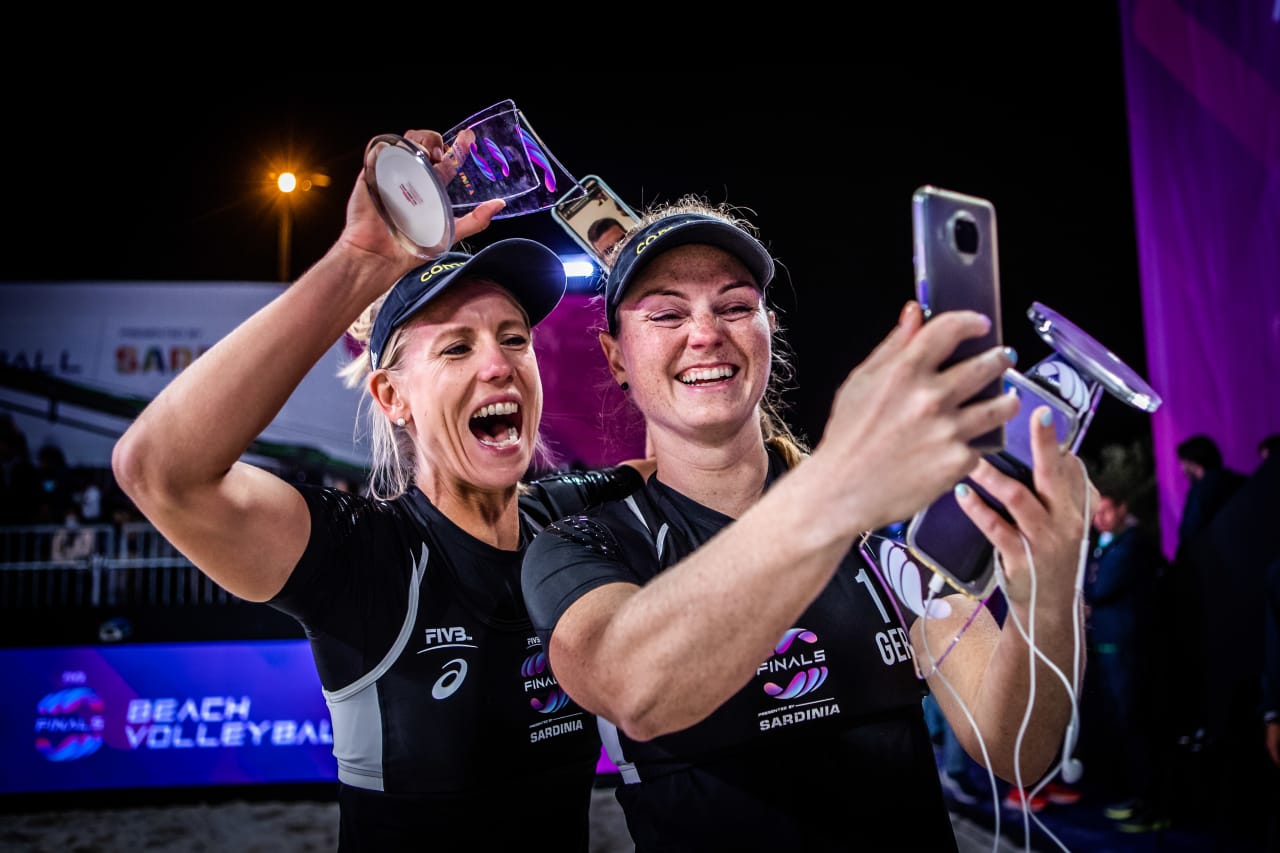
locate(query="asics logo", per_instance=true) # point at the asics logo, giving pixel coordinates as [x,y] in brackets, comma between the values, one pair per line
[455,672]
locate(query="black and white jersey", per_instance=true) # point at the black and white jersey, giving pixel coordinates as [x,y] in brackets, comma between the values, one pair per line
[826,748]
[438,688]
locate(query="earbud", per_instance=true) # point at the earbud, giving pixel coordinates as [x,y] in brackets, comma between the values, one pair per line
[1072,769]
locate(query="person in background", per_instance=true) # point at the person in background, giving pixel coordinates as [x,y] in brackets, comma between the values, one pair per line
[54,485]
[1269,445]
[72,542]
[1271,693]
[755,687]
[19,487]
[448,727]
[1212,485]
[88,497]
[1125,574]
[1228,539]
[954,763]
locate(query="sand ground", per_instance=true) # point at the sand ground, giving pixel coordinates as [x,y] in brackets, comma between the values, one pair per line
[240,826]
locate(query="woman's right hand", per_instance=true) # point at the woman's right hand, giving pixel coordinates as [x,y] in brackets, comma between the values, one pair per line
[899,427]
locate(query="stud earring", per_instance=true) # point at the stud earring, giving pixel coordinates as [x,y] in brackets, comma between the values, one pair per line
[625,387]
[399,422]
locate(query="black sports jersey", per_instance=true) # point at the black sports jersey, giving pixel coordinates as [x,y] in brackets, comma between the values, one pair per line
[438,688]
[825,749]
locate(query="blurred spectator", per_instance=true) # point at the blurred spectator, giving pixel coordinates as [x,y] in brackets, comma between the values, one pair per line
[954,764]
[128,542]
[1269,446]
[1271,693]
[1222,619]
[1212,485]
[1123,582]
[18,491]
[1193,574]
[72,542]
[339,482]
[88,496]
[53,479]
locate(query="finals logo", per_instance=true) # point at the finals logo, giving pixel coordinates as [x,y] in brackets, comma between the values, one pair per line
[537,677]
[69,724]
[806,669]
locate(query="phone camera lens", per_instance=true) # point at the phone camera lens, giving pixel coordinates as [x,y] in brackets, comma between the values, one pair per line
[966,236]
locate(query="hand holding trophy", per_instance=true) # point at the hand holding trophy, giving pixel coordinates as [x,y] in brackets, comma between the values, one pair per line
[492,154]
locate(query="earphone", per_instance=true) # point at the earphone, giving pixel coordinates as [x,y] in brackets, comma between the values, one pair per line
[1072,769]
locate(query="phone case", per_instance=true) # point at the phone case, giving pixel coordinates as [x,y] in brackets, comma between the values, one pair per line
[956,259]
[581,214]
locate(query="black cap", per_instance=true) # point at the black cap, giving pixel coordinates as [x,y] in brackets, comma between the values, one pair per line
[681,229]
[533,273]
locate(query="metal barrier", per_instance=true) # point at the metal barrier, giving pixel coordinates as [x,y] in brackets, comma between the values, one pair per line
[98,565]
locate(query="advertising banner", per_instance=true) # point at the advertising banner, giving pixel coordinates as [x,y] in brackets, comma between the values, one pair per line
[160,715]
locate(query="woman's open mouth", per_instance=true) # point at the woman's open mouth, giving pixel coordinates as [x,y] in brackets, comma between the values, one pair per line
[497,424]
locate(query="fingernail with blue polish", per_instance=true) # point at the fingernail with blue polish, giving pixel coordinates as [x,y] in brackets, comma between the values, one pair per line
[962,491]
[1011,354]
[1046,417]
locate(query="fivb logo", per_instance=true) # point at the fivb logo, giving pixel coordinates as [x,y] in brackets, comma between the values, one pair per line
[453,672]
[438,638]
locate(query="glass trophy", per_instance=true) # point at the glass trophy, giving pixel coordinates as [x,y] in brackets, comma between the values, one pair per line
[1070,381]
[504,159]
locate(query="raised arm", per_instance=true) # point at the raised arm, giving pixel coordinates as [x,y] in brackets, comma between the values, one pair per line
[659,658]
[180,460]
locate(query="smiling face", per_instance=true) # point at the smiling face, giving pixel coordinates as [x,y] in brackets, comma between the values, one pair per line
[468,380]
[693,343]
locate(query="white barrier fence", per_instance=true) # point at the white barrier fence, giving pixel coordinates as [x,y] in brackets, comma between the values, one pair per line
[98,565]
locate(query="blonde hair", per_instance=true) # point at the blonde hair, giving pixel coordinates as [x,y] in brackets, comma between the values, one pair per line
[778,434]
[393,455]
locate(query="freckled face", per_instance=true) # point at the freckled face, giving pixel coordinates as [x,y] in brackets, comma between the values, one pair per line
[694,343]
[471,378]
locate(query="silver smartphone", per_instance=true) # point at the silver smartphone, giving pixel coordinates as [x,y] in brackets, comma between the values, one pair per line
[595,219]
[942,537]
[956,260]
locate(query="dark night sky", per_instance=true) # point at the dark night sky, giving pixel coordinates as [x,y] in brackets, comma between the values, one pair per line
[158,177]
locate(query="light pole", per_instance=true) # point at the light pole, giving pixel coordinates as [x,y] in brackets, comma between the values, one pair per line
[289,184]
[286,183]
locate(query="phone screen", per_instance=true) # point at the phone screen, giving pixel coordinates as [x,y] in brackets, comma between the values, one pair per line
[595,220]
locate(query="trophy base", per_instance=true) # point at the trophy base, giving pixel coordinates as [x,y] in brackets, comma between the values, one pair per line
[409,196]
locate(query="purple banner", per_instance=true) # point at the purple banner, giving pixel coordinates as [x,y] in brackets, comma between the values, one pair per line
[1202,82]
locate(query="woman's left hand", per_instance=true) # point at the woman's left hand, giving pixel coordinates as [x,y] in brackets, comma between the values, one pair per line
[1049,521]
